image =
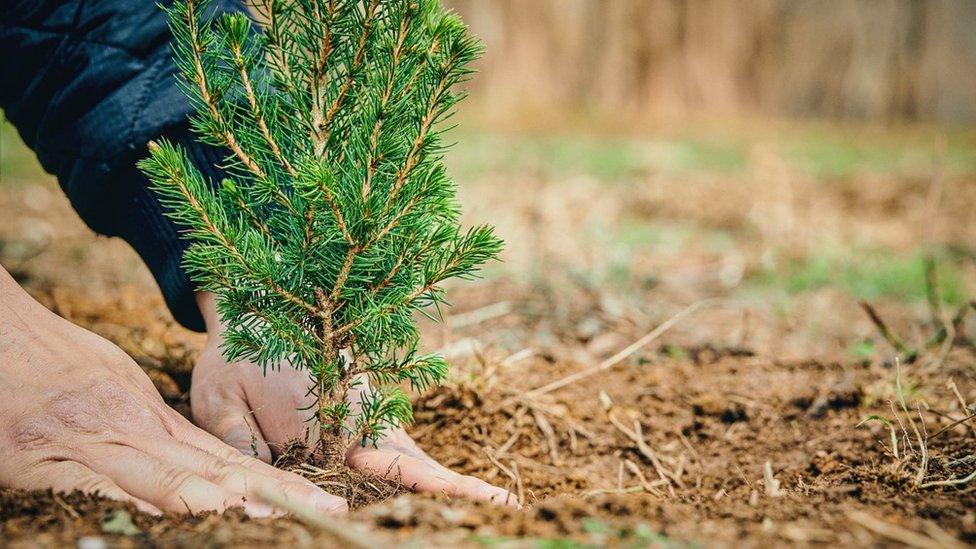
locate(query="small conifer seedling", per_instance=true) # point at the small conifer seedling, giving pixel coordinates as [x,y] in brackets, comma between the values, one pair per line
[338,220]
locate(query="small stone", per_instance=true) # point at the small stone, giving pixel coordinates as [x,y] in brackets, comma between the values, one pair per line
[92,542]
[120,522]
[453,516]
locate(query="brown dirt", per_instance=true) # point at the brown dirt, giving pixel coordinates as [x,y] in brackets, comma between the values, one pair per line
[711,417]
[799,417]
[737,428]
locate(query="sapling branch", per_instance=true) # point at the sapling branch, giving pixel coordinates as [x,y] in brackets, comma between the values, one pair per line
[206,95]
[256,114]
[176,178]
[323,121]
[339,220]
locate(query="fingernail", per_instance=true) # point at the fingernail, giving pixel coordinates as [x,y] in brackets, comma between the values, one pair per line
[451,488]
[259,510]
[148,509]
[331,504]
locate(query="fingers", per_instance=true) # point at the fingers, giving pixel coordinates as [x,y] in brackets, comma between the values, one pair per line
[226,413]
[238,430]
[210,444]
[252,482]
[423,474]
[68,476]
[167,486]
[262,421]
[479,490]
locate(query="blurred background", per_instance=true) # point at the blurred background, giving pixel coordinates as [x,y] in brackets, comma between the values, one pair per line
[789,156]
[879,60]
[792,156]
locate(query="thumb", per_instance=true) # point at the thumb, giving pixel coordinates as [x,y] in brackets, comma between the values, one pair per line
[226,414]
[219,405]
[239,430]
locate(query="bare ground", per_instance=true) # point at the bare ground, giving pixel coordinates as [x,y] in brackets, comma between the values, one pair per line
[739,426]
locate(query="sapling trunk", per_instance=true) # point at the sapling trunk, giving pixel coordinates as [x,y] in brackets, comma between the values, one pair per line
[338,219]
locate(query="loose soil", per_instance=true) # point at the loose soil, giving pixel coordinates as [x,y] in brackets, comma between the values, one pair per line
[735,428]
[711,419]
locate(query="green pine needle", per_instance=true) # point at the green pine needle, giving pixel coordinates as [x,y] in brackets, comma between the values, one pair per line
[339,219]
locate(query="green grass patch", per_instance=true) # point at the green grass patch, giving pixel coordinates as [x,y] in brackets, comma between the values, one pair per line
[819,149]
[840,152]
[869,275]
[862,350]
[17,162]
[603,158]
[599,532]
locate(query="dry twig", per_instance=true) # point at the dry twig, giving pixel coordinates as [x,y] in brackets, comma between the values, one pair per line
[615,491]
[636,435]
[951,425]
[962,402]
[64,505]
[549,434]
[924,464]
[951,481]
[772,485]
[908,354]
[516,479]
[623,354]
[520,488]
[649,487]
[893,531]
[342,530]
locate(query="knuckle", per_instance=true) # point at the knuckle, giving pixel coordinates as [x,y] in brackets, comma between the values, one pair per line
[113,397]
[99,407]
[75,412]
[173,480]
[33,434]
[171,421]
[120,407]
[96,484]
[221,472]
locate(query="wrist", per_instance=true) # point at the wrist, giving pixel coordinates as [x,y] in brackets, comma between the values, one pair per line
[207,303]
[22,318]
[33,339]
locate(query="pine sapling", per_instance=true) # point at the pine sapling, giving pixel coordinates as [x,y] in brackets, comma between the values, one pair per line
[338,220]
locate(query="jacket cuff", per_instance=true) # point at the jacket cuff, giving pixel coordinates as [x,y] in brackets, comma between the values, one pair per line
[158,239]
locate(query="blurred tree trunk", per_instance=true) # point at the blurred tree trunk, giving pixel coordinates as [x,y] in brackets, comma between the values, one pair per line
[865,59]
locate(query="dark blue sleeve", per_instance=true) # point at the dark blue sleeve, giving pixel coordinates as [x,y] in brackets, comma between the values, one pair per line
[87,84]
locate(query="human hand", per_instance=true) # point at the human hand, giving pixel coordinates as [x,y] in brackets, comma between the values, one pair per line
[76,413]
[258,414]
